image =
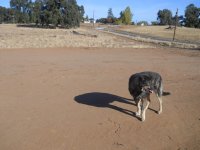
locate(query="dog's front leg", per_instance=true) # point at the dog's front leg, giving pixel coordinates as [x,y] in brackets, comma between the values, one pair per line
[160,104]
[138,113]
[144,108]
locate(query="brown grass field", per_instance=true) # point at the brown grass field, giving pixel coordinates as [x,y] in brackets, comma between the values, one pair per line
[12,36]
[182,33]
[67,97]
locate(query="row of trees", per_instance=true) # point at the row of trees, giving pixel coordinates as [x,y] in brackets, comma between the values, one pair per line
[164,17]
[65,13]
[6,15]
[125,17]
[191,18]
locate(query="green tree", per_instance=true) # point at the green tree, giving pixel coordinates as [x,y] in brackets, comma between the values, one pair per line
[71,14]
[10,15]
[143,23]
[126,16]
[20,7]
[110,13]
[49,13]
[86,18]
[82,12]
[192,14]
[2,14]
[154,23]
[118,21]
[30,12]
[37,14]
[110,17]
[164,17]
[6,15]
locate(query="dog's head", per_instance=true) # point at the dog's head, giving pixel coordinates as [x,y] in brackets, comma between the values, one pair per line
[147,89]
[144,81]
[145,92]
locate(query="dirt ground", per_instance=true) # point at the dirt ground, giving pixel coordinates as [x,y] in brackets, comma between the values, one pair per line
[78,99]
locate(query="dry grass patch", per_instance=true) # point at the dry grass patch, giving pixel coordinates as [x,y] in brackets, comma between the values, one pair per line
[182,33]
[12,36]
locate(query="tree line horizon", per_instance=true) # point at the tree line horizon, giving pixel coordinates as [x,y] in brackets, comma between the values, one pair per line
[68,14]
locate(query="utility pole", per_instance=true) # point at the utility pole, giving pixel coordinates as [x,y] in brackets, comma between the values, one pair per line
[93,18]
[175,24]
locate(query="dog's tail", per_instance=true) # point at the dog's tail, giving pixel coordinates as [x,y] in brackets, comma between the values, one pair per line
[166,93]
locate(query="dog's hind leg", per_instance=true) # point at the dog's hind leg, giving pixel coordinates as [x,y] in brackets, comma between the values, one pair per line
[138,113]
[145,108]
[160,104]
[159,96]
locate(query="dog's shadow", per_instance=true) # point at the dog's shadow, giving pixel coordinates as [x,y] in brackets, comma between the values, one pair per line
[103,100]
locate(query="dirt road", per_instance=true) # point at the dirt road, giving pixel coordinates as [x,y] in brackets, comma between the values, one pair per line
[77,99]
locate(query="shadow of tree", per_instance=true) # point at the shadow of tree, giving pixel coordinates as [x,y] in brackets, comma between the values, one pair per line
[98,99]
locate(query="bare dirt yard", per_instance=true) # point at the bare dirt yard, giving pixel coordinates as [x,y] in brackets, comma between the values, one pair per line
[77,98]
[74,95]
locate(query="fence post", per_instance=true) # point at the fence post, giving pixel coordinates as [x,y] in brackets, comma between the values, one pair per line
[175,24]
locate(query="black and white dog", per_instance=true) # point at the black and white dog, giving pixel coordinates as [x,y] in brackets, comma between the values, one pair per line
[141,85]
